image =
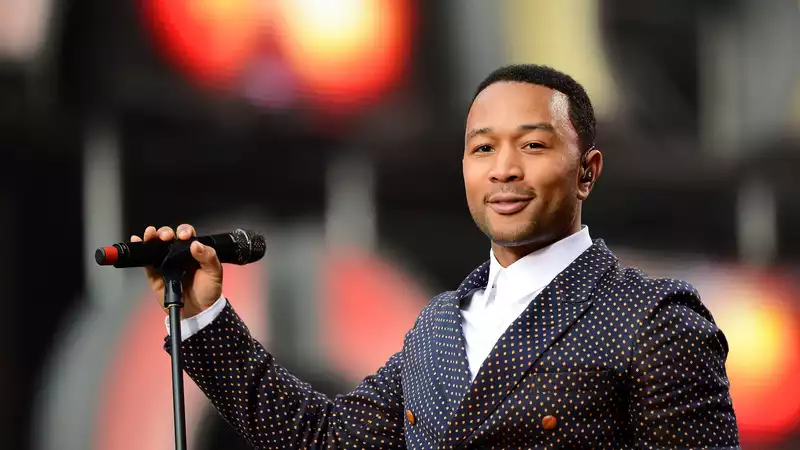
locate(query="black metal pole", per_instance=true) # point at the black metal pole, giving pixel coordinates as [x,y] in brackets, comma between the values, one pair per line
[173,302]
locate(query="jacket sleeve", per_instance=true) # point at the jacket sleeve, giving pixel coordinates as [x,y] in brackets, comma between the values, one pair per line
[272,408]
[680,390]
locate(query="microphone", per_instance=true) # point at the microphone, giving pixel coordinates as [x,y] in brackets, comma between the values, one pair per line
[237,247]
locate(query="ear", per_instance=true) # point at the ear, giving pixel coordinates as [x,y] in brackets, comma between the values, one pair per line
[589,171]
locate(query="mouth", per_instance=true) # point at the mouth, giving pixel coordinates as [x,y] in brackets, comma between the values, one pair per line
[509,205]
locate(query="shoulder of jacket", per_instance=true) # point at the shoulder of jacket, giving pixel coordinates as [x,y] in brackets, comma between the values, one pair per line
[435,304]
[636,282]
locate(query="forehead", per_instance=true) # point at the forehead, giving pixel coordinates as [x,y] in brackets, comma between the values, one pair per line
[510,104]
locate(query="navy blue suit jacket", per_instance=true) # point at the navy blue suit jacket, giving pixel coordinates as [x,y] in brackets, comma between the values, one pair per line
[603,357]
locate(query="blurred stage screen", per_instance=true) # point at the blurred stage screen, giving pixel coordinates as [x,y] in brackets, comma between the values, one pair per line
[335,127]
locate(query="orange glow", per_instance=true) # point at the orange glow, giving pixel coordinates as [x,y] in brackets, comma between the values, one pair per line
[367,310]
[346,50]
[343,53]
[210,40]
[764,360]
[759,353]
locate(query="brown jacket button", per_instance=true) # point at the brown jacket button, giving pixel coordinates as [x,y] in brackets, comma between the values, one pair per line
[549,423]
[410,417]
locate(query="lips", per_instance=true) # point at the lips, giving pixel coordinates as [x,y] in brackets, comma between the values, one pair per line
[506,204]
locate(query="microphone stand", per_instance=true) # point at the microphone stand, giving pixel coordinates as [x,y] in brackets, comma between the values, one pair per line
[172,270]
[247,247]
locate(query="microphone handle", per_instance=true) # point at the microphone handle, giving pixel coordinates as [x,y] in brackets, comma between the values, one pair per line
[153,253]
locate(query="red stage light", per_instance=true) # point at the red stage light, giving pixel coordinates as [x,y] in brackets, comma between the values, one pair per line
[763,332]
[368,307]
[346,52]
[209,40]
[343,53]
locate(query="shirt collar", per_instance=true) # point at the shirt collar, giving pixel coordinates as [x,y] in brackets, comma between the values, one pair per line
[536,270]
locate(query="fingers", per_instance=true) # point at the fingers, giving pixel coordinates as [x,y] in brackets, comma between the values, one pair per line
[186,231]
[163,233]
[150,233]
[166,234]
[206,256]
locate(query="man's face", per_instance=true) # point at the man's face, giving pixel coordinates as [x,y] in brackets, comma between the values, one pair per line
[521,164]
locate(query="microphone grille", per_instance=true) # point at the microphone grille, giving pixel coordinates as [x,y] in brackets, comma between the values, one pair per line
[250,246]
[258,246]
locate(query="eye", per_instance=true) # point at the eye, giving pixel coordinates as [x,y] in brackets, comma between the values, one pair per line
[533,146]
[482,149]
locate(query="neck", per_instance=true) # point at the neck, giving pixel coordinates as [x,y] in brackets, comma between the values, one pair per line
[507,255]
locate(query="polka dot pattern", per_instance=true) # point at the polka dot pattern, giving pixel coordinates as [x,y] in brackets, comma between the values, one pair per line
[604,357]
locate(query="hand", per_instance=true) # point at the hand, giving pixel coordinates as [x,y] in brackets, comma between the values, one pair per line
[201,287]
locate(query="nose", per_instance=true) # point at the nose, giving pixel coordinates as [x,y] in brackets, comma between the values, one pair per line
[507,166]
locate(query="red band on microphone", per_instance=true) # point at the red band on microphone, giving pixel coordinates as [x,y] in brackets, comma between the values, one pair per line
[112,254]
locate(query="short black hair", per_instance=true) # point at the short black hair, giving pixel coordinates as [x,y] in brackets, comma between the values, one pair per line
[581,113]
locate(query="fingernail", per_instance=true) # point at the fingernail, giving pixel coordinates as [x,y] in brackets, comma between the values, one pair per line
[183,233]
[200,248]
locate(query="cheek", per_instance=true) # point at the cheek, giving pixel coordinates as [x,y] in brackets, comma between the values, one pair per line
[549,177]
[553,184]
[473,184]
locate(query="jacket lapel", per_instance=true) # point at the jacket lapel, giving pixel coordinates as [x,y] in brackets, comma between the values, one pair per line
[542,323]
[452,369]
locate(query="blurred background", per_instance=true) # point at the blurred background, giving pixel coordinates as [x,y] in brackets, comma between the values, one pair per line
[335,127]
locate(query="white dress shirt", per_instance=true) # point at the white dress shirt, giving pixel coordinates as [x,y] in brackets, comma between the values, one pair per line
[191,325]
[488,313]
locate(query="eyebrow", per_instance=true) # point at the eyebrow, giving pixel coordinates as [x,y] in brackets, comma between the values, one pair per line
[544,126]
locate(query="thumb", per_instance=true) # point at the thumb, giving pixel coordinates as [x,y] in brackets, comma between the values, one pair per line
[205,255]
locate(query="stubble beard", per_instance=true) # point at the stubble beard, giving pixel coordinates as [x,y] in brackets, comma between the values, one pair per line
[524,234]
[530,231]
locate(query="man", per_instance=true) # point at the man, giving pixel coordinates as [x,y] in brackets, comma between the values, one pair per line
[550,343]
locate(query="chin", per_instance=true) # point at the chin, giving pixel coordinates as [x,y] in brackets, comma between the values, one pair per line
[512,239]
[506,243]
